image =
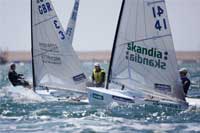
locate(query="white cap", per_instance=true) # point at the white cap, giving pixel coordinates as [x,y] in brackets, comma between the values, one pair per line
[97,64]
[184,70]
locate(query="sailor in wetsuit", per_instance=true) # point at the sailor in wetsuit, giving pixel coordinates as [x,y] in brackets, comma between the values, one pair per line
[185,81]
[17,79]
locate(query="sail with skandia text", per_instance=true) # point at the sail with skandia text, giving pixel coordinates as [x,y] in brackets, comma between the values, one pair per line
[143,56]
[55,63]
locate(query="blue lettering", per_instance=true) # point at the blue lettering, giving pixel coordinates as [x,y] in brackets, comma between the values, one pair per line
[48,6]
[40,10]
[74,14]
[62,35]
[56,24]
[69,31]
[44,8]
[76,6]
[159,11]
[40,1]
[157,25]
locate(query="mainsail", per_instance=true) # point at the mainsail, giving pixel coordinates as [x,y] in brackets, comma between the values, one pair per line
[143,55]
[55,63]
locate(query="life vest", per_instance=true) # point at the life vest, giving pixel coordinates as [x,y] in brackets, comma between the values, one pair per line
[98,75]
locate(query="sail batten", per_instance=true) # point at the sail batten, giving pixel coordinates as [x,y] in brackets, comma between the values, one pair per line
[144,50]
[54,59]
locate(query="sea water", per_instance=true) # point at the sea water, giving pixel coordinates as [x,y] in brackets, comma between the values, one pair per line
[51,117]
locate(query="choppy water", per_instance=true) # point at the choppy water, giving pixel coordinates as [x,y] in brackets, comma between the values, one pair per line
[51,117]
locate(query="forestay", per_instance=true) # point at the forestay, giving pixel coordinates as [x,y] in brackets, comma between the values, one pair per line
[55,63]
[143,52]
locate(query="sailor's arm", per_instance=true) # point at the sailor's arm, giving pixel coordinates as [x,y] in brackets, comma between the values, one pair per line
[103,77]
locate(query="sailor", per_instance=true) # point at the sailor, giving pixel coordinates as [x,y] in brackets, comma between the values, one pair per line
[185,81]
[98,76]
[17,79]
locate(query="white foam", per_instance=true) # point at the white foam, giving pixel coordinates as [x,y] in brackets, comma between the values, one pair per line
[21,94]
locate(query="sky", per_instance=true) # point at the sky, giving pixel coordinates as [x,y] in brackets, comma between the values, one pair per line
[96,24]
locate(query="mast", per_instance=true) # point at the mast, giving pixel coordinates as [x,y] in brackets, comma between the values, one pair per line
[33,68]
[114,45]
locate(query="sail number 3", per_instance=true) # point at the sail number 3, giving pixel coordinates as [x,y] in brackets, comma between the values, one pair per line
[157,13]
[60,32]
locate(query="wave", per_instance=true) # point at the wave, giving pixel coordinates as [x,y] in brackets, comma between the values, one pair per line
[21,94]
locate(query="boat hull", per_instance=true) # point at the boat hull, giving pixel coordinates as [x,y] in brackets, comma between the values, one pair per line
[105,97]
[53,94]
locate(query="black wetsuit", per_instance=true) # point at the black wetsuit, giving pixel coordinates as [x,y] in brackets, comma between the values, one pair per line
[186,84]
[16,79]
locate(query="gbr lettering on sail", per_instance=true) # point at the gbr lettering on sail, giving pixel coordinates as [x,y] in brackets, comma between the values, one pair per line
[44,7]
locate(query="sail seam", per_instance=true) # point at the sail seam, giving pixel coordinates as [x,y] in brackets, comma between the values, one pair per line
[154,37]
[45,20]
[155,2]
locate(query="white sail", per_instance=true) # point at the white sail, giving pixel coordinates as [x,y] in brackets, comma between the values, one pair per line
[72,22]
[143,55]
[55,63]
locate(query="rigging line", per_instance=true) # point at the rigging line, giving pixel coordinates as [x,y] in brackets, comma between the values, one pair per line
[44,21]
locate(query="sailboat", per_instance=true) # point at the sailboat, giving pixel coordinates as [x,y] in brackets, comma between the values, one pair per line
[143,66]
[54,62]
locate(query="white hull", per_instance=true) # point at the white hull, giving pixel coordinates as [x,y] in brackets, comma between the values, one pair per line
[105,97]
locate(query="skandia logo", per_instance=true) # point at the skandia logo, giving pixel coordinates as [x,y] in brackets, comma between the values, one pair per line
[148,56]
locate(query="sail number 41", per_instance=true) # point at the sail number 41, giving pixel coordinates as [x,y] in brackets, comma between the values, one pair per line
[160,23]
